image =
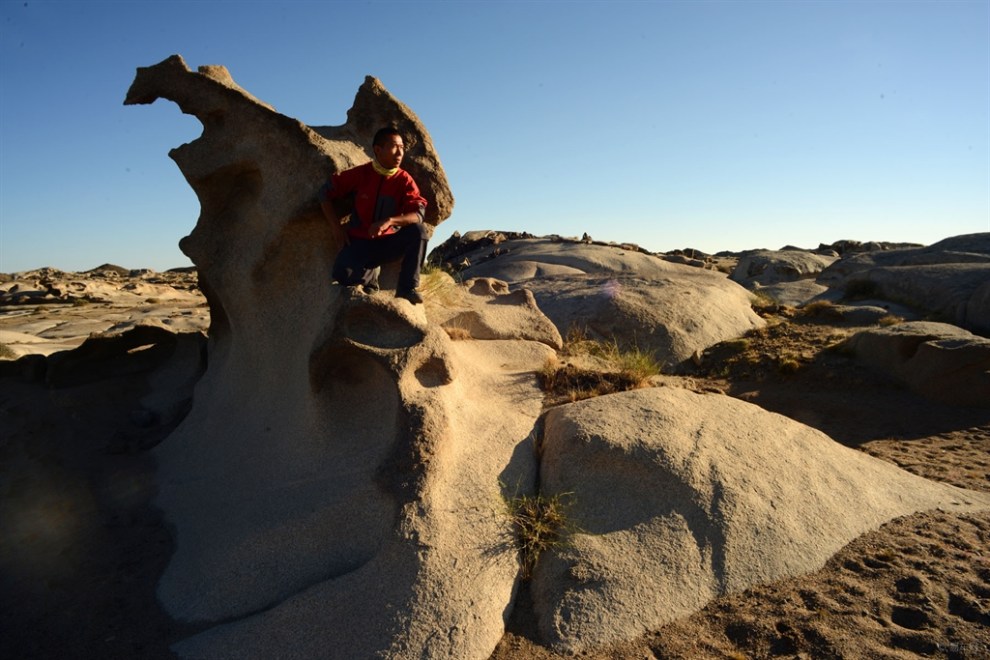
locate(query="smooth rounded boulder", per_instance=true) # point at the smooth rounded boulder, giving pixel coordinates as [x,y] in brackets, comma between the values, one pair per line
[937,360]
[765,267]
[679,497]
[620,293]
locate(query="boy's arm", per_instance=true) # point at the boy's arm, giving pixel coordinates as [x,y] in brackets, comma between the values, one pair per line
[381,228]
[330,213]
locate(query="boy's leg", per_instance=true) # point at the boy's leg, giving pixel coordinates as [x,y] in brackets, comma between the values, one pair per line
[407,244]
[412,258]
[353,267]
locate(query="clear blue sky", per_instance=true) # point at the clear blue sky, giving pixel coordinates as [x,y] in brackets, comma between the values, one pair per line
[714,125]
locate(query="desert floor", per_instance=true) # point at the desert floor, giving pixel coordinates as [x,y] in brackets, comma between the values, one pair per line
[82,546]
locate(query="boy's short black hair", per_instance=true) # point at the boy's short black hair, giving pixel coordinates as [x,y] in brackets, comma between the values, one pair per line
[385,132]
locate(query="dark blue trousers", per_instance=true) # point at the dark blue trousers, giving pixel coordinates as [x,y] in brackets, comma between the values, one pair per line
[358,260]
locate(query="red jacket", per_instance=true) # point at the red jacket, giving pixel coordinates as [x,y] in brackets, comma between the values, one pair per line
[375,197]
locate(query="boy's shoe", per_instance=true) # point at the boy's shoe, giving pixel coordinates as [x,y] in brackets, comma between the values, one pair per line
[372,288]
[412,295]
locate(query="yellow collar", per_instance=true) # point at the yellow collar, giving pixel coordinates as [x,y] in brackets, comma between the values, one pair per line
[381,170]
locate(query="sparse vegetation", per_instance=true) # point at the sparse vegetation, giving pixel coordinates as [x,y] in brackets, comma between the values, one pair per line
[457,332]
[540,523]
[835,340]
[638,365]
[822,309]
[568,383]
[788,364]
[763,303]
[792,341]
[737,345]
[6,352]
[634,362]
[437,285]
[615,369]
[890,319]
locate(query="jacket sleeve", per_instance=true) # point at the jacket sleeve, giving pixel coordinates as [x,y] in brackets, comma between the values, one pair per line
[340,184]
[412,200]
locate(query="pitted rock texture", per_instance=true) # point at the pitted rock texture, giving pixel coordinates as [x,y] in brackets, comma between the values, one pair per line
[335,511]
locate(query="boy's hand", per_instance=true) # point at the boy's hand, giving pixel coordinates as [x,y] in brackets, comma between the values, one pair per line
[381,228]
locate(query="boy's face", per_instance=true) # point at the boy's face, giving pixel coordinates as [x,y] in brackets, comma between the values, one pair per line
[389,153]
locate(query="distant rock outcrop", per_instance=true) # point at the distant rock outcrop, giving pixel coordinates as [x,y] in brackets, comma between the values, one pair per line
[784,276]
[679,497]
[847,247]
[104,301]
[613,292]
[949,280]
[763,267]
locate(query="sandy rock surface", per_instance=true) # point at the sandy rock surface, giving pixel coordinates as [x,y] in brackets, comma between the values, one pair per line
[938,360]
[916,586]
[673,317]
[379,578]
[792,294]
[332,470]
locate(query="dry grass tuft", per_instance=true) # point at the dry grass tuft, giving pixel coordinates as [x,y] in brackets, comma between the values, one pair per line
[457,333]
[437,286]
[822,309]
[540,523]
[615,370]
[788,364]
[763,303]
[633,362]
[739,345]
[568,383]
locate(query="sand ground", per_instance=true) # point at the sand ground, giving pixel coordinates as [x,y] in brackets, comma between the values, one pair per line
[81,546]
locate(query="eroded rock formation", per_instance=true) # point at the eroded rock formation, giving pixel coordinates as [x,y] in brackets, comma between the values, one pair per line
[331,472]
